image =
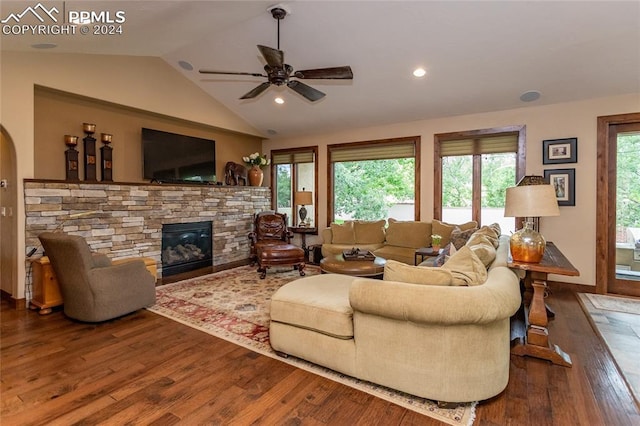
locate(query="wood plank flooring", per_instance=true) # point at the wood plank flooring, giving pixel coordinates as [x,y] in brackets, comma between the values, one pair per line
[146,369]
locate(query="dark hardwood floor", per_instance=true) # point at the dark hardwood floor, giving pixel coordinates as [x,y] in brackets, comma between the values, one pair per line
[146,369]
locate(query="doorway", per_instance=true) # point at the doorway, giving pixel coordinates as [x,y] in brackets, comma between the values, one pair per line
[618,200]
[8,220]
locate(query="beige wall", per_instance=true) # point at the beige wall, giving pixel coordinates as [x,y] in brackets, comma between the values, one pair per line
[143,83]
[574,230]
[59,113]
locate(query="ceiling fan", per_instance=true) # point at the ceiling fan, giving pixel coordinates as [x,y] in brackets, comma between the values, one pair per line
[279,73]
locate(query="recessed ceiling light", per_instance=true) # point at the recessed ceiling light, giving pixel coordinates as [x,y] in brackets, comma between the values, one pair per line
[279,100]
[419,72]
[272,132]
[530,96]
[44,45]
[185,65]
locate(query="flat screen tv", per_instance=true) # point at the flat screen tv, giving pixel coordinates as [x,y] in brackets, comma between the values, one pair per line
[169,157]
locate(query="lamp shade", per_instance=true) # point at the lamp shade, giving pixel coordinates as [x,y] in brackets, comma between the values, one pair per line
[303,198]
[531,201]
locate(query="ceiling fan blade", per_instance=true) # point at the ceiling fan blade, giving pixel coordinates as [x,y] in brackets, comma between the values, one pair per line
[336,73]
[253,74]
[274,57]
[306,91]
[255,92]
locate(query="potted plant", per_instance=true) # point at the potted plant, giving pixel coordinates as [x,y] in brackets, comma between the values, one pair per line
[435,242]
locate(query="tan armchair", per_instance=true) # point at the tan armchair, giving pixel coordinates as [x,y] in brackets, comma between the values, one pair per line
[270,243]
[94,289]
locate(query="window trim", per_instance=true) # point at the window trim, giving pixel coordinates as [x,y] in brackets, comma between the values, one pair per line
[294,180]
[392,141]
[440,138]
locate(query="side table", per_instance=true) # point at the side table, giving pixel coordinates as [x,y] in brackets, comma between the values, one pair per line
[535,342]
[46,291]
[303,231]
[425,252]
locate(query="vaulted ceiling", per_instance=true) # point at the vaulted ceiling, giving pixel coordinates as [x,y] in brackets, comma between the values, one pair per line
[479,55]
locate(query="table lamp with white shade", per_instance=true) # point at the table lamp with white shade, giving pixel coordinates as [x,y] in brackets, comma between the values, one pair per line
[530,201]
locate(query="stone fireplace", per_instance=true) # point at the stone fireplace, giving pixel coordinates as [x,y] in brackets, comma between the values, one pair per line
[185,247]
[129,217]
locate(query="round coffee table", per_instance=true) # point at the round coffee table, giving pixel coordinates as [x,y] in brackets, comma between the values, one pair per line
[335,264]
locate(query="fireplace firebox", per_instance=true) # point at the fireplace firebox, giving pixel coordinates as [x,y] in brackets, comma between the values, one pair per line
[186,247]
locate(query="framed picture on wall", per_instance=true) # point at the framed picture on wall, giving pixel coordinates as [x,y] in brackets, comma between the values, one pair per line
[558,151]
[564,182]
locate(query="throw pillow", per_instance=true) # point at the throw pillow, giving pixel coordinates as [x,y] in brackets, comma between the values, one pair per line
[343,233]
[412,234]
[466,268]
[369,232]
[444,229]
[483,247]
[489,233]
[397,271]
[460,237]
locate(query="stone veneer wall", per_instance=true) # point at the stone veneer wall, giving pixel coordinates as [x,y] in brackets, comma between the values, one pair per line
[128,217]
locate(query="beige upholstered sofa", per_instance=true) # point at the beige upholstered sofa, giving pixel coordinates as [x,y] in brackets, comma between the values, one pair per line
[418,330]
[398,241]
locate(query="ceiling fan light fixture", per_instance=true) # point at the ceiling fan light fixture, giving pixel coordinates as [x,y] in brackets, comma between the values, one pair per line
[419,72]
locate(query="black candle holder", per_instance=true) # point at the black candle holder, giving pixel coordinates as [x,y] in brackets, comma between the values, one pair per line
[89,152]
[106,153]
[71,158]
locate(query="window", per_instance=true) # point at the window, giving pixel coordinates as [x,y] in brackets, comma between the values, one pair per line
[374,180]
[294,170]
[473,170]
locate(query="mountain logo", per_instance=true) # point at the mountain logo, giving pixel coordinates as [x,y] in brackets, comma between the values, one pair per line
[38,11]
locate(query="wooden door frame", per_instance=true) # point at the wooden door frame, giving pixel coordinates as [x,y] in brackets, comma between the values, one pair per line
[605,194]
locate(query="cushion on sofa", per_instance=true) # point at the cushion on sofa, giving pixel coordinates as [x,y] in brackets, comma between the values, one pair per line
[444,229]
[460,237]
[401,254]
[328,311]
[412,234]
[397,271]
[343,233]
[487,232]
[466,267]
[367,232]
[482,246]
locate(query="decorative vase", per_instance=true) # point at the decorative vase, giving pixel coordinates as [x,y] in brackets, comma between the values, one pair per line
[527,245]
[435,248]
[256,176]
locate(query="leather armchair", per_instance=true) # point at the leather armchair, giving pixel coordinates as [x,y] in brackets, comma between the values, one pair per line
[94,289]
[270,229]
[270,243]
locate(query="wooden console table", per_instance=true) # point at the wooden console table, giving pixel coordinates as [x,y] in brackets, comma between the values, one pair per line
[535,341]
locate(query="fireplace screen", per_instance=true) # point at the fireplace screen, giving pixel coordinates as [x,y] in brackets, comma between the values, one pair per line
[186,247]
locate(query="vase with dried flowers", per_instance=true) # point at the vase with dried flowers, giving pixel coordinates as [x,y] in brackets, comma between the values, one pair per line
[256,161]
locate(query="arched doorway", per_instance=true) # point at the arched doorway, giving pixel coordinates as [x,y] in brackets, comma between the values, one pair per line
[8,219]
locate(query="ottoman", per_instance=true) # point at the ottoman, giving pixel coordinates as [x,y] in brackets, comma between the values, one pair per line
[282,254]
[312,317]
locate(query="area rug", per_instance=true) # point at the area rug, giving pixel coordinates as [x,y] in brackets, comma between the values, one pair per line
[234,305]
[617,322]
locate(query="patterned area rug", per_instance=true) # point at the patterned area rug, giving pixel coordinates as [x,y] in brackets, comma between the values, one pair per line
[234,305]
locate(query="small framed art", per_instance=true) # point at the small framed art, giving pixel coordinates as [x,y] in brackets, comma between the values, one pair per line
[558,151]
[564,182]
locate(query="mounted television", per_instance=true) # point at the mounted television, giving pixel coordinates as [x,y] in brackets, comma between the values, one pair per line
[169,157]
